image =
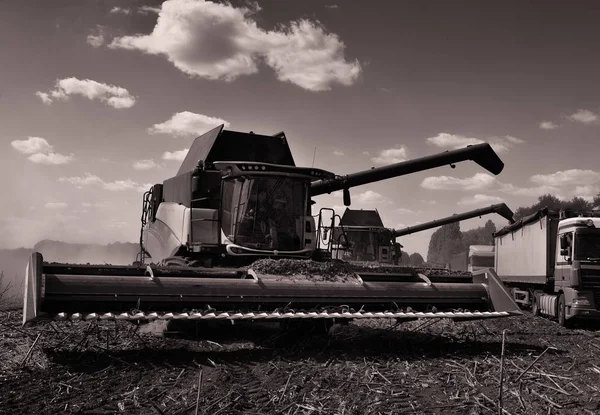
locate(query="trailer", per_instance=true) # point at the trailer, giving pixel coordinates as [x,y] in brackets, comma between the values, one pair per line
[475,258]
[550,262]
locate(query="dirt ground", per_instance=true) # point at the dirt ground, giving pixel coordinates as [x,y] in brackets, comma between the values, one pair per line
[366,367]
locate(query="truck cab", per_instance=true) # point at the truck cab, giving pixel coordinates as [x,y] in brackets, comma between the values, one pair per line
[480,257]
[577,268]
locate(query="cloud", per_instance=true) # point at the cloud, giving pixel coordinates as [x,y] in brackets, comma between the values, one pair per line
[408,211]
[429,202]
[456,141]
[583,116]
[96,39]
[338,153]
[40,151]
[146,164]
[32,145]
[55,205]
[548,125]
[479,199]
[116,186]
[114,96]
[178,155]
[50,158]
[368,197]
[478,182]
[148,9]
[217,41]
[186,124]
[390,156]
[121,10]
[332,6]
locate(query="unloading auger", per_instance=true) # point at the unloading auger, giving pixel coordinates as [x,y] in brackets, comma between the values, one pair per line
[238,198]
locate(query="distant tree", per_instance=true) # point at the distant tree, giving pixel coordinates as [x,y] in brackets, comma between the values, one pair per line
[554,203]
[4,287]
[445,242]
[416,259]
[405,258]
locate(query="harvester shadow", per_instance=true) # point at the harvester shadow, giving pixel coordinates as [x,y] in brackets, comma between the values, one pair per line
[347,343]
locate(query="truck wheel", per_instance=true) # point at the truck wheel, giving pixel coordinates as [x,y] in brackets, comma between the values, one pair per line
[562,319]
[535,307]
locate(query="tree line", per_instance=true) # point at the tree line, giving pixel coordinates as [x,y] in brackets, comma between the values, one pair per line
[448,240]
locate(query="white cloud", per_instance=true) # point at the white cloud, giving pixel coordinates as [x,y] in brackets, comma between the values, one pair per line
[408,211]
[456,141]
[429,202]
[391,155]
[332,6]
[32,145]
[121,10]
[338,153]
[114,96]
[55,205]
[479,199]
[548,125]
[96,39]
[368,196]
[50,158]
[477,182]
[148,9]
[220,42]
[116,186]
[583,116]
[40,151]
[178,155]
[567,178]
[187,124]
[146,164]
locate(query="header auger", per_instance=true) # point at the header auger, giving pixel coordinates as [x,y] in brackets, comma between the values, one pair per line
[238,198]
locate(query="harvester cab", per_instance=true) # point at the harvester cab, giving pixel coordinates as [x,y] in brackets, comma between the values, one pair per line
[237,200]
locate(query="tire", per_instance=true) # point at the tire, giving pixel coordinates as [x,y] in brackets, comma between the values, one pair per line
[562,318]
[535,307]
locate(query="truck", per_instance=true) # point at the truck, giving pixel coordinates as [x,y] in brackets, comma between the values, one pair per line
[477,257]
[550,262]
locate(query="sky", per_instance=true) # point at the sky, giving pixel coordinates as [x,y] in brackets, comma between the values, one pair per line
[101,99]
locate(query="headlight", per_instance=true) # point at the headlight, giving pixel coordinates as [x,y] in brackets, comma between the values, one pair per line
[581,302]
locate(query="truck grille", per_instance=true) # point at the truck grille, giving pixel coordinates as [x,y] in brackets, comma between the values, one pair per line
[590,279]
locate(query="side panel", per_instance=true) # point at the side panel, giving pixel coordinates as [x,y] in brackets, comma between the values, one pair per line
[163,237]
[524,254]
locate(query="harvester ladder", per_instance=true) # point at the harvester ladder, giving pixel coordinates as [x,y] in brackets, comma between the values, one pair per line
[322,230]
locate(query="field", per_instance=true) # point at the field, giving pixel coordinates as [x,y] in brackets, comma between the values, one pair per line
[367,367]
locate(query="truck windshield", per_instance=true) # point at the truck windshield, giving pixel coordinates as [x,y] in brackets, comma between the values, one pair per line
[587,245]
[265,212]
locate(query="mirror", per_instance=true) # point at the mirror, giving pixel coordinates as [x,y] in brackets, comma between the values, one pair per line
[564,252]
[564,243]
[347,200]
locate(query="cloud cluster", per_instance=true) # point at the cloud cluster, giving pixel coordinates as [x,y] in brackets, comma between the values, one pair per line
[583,116]
[217,41]
[178,155]
[116,186]
[147,164]
[456,141]
[478,182]
[479,199]
[114,96]
[40,151]
[548,125]
[187,124]
[391,156]
[564,184]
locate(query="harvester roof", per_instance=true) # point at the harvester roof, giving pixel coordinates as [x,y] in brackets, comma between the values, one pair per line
[224,145]
[360,217]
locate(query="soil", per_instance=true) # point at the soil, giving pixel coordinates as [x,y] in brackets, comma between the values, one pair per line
[364,367]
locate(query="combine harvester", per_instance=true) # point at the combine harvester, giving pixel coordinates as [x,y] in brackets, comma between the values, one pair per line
[361,235]
[239,197]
